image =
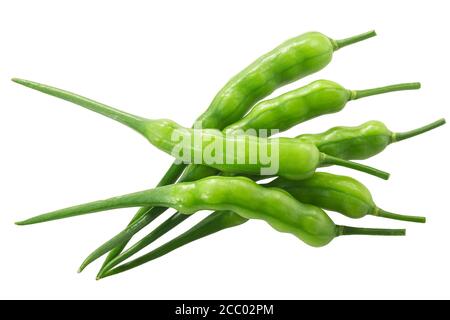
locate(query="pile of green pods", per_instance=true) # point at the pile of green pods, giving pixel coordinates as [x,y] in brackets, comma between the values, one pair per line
[236,183]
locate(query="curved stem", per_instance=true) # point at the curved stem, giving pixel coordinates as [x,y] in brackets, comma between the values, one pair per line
[389,215]
[398,136]
[144,217]
[170,177]
[138,124]
[132,121]
[121,239]
[327,160]
[357,94]
[346,230]
[217,221]
[155,197]
[162,229]
[115,245]
[347,41]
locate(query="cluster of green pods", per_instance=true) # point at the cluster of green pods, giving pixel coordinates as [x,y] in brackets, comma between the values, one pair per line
[294,201]
[332,192]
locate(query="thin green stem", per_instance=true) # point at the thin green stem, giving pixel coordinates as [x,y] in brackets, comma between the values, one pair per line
[135,122]
[395,216]
[132,121]
[159,231]
[330,160]
[346,230]
[170,177]
[217,221]
[360,37]
[398,136]
[357,94]
[122,238]
[155,197]
[146,215]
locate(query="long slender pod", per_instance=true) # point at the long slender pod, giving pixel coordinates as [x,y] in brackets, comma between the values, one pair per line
[238,194]
[363,141]
[338,193]
[295,160]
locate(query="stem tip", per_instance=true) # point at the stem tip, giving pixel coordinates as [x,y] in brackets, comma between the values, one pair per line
[348,41]
[398,136]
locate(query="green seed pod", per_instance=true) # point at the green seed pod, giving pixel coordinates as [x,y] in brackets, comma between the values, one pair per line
[295,160]
[315,99]
[337,193]
[246,198]
[363,141]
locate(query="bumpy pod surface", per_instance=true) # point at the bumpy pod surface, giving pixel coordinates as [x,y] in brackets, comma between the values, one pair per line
[240,195]
[360,142]
[292,60]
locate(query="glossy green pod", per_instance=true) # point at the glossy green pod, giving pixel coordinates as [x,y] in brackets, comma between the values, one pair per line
[363,141]
[315,99]
[290,159]
[338,193]
[238,194]
[242,195]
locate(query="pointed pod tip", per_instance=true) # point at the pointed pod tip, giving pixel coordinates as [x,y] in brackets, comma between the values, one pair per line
[85,263]
[101,275]
[82,267]
[27,222]
[26,83]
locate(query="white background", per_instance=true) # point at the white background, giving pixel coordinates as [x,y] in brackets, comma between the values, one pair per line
[167,60]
